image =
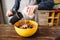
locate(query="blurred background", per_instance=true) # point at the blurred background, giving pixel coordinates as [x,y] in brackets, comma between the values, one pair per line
[6,5]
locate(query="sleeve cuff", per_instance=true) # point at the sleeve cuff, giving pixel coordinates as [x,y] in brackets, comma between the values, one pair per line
[40,7]
[13,11]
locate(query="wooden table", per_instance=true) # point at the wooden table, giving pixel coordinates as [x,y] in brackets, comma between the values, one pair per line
[7,32]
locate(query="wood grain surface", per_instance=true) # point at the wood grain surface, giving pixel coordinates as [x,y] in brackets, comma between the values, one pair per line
[7,32]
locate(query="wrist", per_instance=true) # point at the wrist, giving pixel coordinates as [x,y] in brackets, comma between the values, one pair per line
[13,11]
[36,7]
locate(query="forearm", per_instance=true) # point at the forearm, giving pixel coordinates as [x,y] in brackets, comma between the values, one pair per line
[16,6]
[46,5]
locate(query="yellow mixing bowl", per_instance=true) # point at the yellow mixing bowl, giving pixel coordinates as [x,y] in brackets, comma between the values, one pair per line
[26,32]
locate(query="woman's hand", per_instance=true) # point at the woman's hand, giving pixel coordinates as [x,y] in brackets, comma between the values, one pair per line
[30,9]
[9,13]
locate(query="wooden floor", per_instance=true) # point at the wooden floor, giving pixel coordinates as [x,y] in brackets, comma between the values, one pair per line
[7,32]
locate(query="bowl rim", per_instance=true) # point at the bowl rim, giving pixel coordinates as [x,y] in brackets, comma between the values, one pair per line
[28,28]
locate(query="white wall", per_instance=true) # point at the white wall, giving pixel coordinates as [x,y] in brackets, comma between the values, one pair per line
[7,4]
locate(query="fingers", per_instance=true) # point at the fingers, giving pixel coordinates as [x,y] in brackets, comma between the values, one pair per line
[9,13]
[27,10]
[30,10]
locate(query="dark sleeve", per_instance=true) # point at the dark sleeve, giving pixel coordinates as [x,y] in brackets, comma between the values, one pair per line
[46,5]
[16,6]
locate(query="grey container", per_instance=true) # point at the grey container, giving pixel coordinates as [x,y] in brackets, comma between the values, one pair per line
[42,17]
